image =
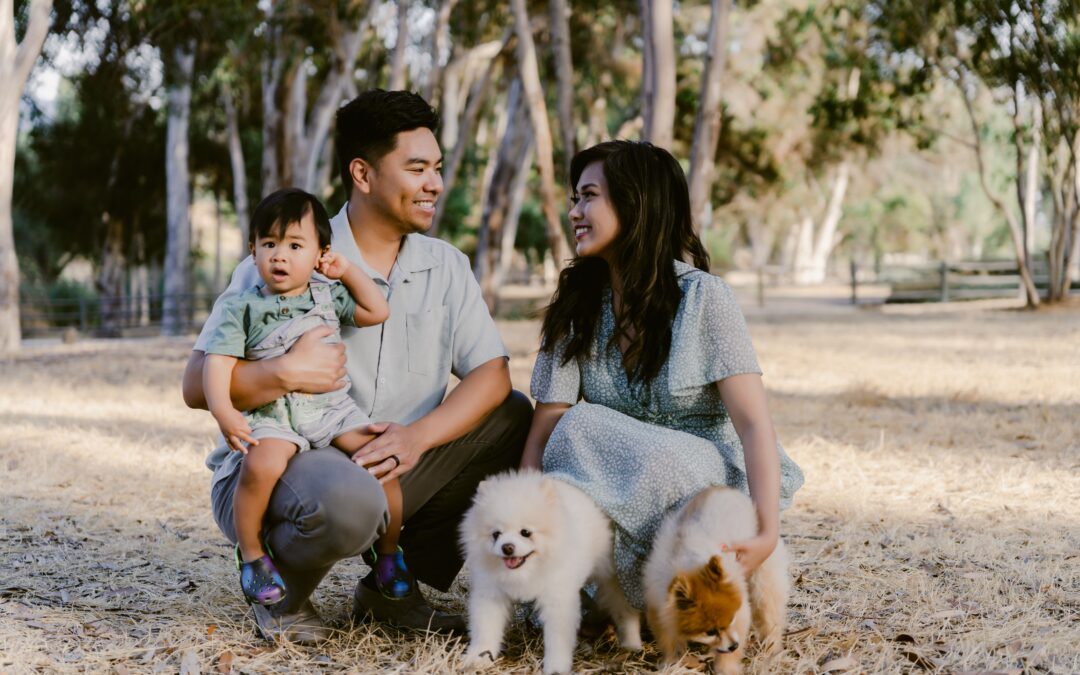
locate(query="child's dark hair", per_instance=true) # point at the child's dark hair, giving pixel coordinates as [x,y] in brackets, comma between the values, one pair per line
[278,210]
[367,126]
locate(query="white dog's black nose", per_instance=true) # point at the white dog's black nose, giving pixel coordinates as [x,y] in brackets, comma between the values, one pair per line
[508,549]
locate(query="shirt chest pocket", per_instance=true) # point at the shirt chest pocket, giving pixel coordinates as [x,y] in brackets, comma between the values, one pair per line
[428,337]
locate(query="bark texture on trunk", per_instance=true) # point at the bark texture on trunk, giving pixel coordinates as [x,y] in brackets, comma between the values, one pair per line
[236,162]
[176,303]
[441,33]
[271,70]
[660,124]
[397,63]
[534,95]
[815,244]
[564,78]
[707,124]
[16,61]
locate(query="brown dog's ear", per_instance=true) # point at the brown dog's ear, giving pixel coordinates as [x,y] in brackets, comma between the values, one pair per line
[679,591]
[714,569]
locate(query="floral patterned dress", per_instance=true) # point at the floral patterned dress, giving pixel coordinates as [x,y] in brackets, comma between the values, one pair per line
[641,450]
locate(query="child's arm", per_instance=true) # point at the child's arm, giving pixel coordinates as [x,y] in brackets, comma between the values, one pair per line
[217,376]
[371,305]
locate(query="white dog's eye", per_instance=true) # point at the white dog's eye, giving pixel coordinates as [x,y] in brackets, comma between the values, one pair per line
[526,533]
[496,534]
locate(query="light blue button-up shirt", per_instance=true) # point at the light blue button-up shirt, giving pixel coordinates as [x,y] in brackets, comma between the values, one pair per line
[439,324]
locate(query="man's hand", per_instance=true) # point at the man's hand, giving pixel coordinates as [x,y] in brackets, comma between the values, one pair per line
[752,552]
[235,428]
[392,440]
[332,265]
[312,366]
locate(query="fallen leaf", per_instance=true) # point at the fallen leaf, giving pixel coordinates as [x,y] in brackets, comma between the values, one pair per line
[904,637]
[210,629]
[919,660]
[224,662]
[842,663]
[121,669]
[1013,647]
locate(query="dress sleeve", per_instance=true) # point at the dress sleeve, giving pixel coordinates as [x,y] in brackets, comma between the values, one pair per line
[553,382]
[344,304]
[709,339]
[229,335]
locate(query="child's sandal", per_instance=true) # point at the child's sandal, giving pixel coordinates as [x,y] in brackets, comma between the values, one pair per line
[260,581]
[400,583]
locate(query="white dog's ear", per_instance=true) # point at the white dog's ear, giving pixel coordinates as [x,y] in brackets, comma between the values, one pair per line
[550,490]
[482,489]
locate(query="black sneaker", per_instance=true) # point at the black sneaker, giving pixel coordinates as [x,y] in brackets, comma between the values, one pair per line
[302,627]
[412,611]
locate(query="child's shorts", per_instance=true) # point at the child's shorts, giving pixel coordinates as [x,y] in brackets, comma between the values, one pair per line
[308,420]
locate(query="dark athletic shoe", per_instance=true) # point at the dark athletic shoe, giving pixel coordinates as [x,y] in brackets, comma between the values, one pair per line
[412,611]
[302,627]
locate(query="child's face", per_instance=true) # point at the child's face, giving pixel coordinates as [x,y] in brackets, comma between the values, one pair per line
[286,264]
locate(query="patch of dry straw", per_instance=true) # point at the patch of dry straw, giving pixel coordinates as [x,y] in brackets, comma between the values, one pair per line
[939,528]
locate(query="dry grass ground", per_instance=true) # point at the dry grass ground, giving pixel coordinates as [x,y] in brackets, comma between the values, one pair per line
[939,528]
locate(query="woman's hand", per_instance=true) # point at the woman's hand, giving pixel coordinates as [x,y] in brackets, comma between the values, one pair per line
[752,552]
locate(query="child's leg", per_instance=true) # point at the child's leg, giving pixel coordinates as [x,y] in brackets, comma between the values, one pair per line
[388,543]
[259,473]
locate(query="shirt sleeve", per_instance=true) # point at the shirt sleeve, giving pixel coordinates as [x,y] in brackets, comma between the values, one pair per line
[554,382]
[243,277]
[344,304]
[474,338]
[709,341]
[229,336]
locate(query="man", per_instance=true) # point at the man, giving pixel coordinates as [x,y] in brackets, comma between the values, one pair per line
[328,507]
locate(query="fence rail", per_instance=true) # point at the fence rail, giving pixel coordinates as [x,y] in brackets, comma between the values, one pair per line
[109,316]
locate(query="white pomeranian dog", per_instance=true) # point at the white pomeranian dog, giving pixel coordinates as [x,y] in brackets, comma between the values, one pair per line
[531,537]
[696,591]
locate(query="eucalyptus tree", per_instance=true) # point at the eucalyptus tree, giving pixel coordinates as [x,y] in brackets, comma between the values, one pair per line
[17,57]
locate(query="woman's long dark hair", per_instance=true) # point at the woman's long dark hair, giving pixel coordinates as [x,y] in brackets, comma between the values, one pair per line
[647,189]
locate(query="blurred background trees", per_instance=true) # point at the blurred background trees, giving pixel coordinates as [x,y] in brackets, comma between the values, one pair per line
[813,133]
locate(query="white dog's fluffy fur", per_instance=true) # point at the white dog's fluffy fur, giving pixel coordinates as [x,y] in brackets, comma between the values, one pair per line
[697,592]
[528,537]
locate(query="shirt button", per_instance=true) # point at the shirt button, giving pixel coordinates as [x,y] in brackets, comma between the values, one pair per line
[382,380]
[284,310]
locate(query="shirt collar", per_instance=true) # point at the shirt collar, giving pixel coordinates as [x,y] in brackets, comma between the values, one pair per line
[682,268]
[413,256]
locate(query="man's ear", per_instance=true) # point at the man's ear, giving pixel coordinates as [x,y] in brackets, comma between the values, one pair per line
[360,172]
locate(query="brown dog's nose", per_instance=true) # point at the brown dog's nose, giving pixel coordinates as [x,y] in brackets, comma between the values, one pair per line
[508,549]
[732,647]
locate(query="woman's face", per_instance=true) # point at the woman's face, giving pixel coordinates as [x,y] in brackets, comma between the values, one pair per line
[594,221]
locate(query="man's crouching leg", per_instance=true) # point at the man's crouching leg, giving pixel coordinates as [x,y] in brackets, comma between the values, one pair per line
[324,509]
[436,494]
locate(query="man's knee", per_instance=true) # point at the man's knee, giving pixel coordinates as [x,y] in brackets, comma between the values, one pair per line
[509,424]
[325,509]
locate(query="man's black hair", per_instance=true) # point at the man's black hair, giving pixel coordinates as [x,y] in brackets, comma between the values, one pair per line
[367,126]
[278,210]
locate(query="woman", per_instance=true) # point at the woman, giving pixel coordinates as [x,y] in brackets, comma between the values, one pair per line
[647,387]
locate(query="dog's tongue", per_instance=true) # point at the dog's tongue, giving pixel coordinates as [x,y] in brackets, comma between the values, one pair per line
[513,563]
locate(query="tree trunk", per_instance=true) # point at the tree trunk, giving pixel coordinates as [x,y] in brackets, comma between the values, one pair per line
[272,69]
[707,124]
[441,33]
[660,125]
[16,61]
[110,279]
[397,64]
[236,162]
[178,191]
[465,125]
[648,67]
[513,217]
[564,78]
[534,95]
[1031,293]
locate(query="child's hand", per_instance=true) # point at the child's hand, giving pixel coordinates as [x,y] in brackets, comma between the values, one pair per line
[332,265]
[235,429]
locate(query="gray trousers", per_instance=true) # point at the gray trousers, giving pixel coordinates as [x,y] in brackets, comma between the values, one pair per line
[325,508]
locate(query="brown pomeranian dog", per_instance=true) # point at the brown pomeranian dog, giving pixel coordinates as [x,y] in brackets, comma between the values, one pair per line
[696,591]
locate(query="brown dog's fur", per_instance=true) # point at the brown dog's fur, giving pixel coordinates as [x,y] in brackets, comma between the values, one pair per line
[696,592]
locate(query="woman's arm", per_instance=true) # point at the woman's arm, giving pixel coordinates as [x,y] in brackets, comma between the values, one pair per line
[744,397]
[546,416]
[311,366]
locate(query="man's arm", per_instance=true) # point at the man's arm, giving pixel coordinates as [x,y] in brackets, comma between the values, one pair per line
[311,366]
[478,393]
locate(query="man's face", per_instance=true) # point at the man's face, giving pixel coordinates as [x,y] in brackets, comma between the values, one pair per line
[406,182]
